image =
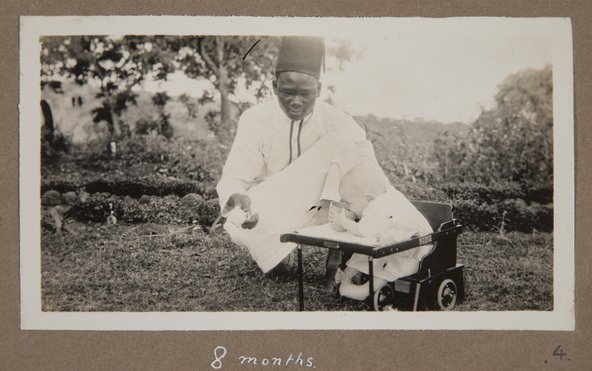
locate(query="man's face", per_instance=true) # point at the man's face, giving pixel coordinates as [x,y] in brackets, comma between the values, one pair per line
[297,93]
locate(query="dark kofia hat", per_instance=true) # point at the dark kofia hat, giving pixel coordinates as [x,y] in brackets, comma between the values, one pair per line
[301,54]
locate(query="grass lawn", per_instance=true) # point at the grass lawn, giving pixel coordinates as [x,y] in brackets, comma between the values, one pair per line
[154,260]
[157,267]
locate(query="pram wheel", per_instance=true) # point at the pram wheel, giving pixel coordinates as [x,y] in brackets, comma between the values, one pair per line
[384,299]
[447,294]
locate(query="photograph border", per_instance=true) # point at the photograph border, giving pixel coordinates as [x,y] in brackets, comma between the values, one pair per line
[561,318]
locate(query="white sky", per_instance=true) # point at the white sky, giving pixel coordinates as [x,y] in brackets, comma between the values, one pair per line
[444,71]
[438,76]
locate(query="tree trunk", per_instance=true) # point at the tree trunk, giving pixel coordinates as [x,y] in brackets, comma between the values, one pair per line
[224,102]
[117,125]
[48,126]
[223,83]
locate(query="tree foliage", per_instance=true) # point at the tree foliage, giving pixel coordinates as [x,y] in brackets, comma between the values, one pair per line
[512,141]
[115,65]
[343,51]
[227,62]
[112,64]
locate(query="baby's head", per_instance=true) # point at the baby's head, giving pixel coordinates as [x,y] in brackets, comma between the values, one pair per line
[361,185]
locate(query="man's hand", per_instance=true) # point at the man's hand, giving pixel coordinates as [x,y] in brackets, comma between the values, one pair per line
[237,199]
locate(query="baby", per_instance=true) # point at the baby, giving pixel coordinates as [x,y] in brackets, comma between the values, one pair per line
[386,216]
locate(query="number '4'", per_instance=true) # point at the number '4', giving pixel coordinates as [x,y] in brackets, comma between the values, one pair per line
[559,352]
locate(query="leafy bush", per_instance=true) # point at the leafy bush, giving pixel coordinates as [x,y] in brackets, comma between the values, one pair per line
[509,215]
[476,215]
[488,194]
[150,186]
[421,192]
[513,142]
[165,210]
[499,191]
[164,127]
[519,216]
[54,147]
[199,160]
[145,126]
[538,192]
[143,148]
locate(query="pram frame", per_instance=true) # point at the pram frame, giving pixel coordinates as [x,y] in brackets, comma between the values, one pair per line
[447,229]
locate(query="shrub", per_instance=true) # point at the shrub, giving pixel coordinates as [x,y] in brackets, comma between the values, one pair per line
[165,210]
[485,193]
[122,186]
[513,214]
[519,216]
[145,126]
[499,191]
[541,193]
[475,214]
[421,192]
[53,148]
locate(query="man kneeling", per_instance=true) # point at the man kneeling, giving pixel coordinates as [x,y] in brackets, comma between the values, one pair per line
[287,158]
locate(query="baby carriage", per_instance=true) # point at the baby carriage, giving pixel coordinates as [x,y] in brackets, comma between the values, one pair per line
[438,284]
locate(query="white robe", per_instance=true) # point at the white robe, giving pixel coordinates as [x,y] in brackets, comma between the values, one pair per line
[282,192]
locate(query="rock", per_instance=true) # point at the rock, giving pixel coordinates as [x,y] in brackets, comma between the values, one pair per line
[128,199]
[51,198]
[191,199]
[144,199]
[69,198]
[210,190]
[83,195]
[60,210]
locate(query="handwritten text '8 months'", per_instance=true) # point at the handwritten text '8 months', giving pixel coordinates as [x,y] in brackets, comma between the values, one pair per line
[292,360]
